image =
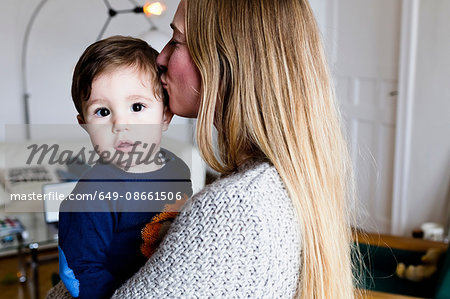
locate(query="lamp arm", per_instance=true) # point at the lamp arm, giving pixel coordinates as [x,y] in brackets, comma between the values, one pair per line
[152,24]
[107,4]
[102,31]
[113,12]
[26,37]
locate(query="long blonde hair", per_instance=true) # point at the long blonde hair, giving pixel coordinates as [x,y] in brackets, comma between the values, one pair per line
[267,89]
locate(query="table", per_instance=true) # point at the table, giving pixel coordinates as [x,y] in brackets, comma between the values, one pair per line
[37,235]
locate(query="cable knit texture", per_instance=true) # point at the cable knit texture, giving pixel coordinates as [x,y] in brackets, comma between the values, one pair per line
[238,237]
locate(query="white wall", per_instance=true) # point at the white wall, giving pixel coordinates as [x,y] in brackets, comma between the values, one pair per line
[429,164]
[61,32]
[10,101]
[430,143]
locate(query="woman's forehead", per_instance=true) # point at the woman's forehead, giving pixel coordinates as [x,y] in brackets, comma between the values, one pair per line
[178,19]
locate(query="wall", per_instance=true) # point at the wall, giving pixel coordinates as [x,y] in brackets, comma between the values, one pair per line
[61,32]
[429,163]
[10,101]
[430,143]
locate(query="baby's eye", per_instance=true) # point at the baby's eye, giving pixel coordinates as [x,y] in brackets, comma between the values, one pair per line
[102,112]
[137,107]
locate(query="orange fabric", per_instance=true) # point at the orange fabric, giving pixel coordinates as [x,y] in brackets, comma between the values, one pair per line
[154,231]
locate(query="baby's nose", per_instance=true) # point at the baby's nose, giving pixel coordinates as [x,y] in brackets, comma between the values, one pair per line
[120,124]
[119,127]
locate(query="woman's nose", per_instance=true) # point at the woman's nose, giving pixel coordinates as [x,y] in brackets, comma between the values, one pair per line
[162,69]
[161,60]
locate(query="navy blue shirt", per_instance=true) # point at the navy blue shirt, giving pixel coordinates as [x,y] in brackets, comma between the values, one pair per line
[100,236]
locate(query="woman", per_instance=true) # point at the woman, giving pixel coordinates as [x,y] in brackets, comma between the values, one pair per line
[275,225]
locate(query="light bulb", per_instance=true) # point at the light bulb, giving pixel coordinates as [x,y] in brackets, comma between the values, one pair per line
[154,8]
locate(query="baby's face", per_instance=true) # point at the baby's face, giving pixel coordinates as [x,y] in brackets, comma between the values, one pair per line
[123,116]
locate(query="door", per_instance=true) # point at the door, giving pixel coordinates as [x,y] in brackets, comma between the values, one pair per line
[362,40]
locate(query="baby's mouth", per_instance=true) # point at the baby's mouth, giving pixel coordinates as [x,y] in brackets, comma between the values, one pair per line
[125,146]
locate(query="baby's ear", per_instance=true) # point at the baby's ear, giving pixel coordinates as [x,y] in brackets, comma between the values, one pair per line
[81,121]
[167,118]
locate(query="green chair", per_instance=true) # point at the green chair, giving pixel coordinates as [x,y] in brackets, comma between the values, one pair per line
[379,270]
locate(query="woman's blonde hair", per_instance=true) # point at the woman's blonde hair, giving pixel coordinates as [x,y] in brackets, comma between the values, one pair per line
[267,89]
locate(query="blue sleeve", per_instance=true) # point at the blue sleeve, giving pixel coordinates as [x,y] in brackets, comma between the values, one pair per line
[84,239]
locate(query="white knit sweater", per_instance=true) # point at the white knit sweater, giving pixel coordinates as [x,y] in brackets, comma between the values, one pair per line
[239,237]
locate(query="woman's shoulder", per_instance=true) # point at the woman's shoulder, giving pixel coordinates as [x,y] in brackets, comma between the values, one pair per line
[250,179]
[254,191]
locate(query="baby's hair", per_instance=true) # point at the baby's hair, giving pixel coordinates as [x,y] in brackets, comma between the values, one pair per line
[109,54]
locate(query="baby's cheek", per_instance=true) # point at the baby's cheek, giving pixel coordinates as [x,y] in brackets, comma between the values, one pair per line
[101,138]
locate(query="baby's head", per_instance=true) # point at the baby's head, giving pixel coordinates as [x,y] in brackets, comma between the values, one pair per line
[118,95]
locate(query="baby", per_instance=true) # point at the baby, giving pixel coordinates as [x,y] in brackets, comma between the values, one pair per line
[105,240]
